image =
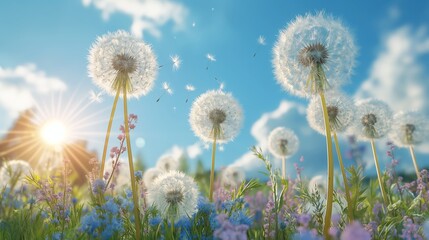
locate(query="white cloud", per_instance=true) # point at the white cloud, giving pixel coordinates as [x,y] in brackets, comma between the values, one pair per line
[147,15]
[194,150]
[20,86]
[398,75]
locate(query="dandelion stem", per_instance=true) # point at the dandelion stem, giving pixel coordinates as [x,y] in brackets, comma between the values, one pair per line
[284,167]
[416,167]
[130,162]
[109,128]
[330,189]
[343,172]
[213,167]
[377,167]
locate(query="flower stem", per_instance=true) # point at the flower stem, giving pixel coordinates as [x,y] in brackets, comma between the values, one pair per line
[109,128]
[413,156]
[377,167]
[213,168]
[284,167]
[330,195]
[343,172]
[130,162]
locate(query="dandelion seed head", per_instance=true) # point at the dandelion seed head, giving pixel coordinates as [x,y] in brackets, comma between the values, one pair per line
[232,176]
[261,40]
[176,61]
[216,110]
[14,170]
[409,128]
[282,142]
[174,195]
[150,175]
[167,163]
[372,120]
[313,40]
[120,52]
[341,112]
[211,57]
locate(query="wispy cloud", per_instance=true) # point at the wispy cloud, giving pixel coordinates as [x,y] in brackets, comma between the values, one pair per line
[20,86]
[147,15]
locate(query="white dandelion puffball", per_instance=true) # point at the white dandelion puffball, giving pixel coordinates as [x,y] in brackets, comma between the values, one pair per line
[341,112]
[373,119]
[174,194]
[409,129]
[216,110]
[150,175]
[233,176]
[317,183]
[282,142]
[167,163]
[308,41]
[14,170]
[120,52]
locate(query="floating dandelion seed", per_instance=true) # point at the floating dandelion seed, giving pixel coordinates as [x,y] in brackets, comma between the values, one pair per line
[167,89]
[14,172]
[261,40]
[211,57]
[176,62]
[341,112]
[232,177]
[167,163]
[120,52]
[408,130]
[282,143]
[174,195]
[215,117]
[95,97]
[313,53]
[216,114]
[150,176]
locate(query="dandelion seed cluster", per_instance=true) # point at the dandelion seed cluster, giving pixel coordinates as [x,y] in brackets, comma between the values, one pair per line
[373,119]
[150,175]
[174,194]
[409,129]
[311,40]
[216,109]
[14,170]
[120,52]
[232,176]
[282,142]
[341,112]
[167,163]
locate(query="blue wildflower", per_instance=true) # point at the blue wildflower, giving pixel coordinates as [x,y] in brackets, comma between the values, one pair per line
[98,186]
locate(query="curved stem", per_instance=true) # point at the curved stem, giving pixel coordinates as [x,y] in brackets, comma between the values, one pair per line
[343,172]
[109,128]
[284,167]
[377,167]
[413,156]
[213,168]
[130,162]
[330,189]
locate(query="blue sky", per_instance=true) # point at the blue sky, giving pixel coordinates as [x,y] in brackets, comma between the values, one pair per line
[48,42]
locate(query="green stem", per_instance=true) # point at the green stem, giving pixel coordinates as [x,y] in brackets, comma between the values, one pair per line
[284,167]
[413,156]
[109,128]
[330,190]
[343,172]
[379,176]
[130,162]
[213,167]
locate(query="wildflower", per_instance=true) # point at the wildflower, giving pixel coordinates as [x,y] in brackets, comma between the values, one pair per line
[311,50]
[13,172]
[340,112]
[174,194]
[282,142]
[373,119]
[410,230]
[167,163]
[176,61]
[138,175]
[355,231]
[216,114]
[232,176]
[229,231]
[98,186]
[150,175]
[119,53]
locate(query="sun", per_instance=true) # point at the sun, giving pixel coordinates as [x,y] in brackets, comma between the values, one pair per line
[54,133]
